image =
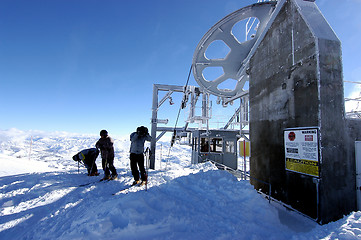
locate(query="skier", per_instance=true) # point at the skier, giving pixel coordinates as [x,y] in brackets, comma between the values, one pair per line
[88,157]
[105,144]
[136,154]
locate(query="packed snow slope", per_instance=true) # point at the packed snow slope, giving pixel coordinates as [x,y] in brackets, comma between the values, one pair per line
[40,198]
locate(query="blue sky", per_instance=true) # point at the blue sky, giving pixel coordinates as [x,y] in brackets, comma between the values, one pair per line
[86,65]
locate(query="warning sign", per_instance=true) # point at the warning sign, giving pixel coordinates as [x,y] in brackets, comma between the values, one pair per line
[301,151]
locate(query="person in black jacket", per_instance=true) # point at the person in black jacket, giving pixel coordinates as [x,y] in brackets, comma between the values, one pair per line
[105,144]
[88,157]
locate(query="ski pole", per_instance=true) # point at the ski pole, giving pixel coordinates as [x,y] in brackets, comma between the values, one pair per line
[147,154]
[91,169]
[106,162]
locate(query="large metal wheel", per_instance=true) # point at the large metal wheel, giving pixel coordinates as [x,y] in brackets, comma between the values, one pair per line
[234,64]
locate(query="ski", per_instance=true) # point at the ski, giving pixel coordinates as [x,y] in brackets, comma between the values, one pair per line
[87,184]
[127,188]
[101,180]
[104,180]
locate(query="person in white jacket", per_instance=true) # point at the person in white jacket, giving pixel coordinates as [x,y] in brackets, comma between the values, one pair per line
[136,154]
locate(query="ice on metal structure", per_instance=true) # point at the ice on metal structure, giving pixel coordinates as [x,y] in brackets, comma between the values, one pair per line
[191,96]
[235,63]
[257,17]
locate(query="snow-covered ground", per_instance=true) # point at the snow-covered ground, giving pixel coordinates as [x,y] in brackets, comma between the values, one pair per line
[40,198]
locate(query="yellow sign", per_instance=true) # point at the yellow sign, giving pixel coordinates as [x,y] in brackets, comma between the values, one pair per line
[303,166]
[244,146]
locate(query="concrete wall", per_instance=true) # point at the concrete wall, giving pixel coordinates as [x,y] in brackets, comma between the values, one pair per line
[354,130]
[353,127]
[296,81]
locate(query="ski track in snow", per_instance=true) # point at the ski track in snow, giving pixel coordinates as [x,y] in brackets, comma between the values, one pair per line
[183,201]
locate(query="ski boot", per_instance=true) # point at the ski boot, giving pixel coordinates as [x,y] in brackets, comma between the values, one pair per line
[94,174]
[135,183]
[106,177]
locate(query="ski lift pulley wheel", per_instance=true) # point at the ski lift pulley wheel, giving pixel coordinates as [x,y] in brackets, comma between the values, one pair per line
[235,63]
